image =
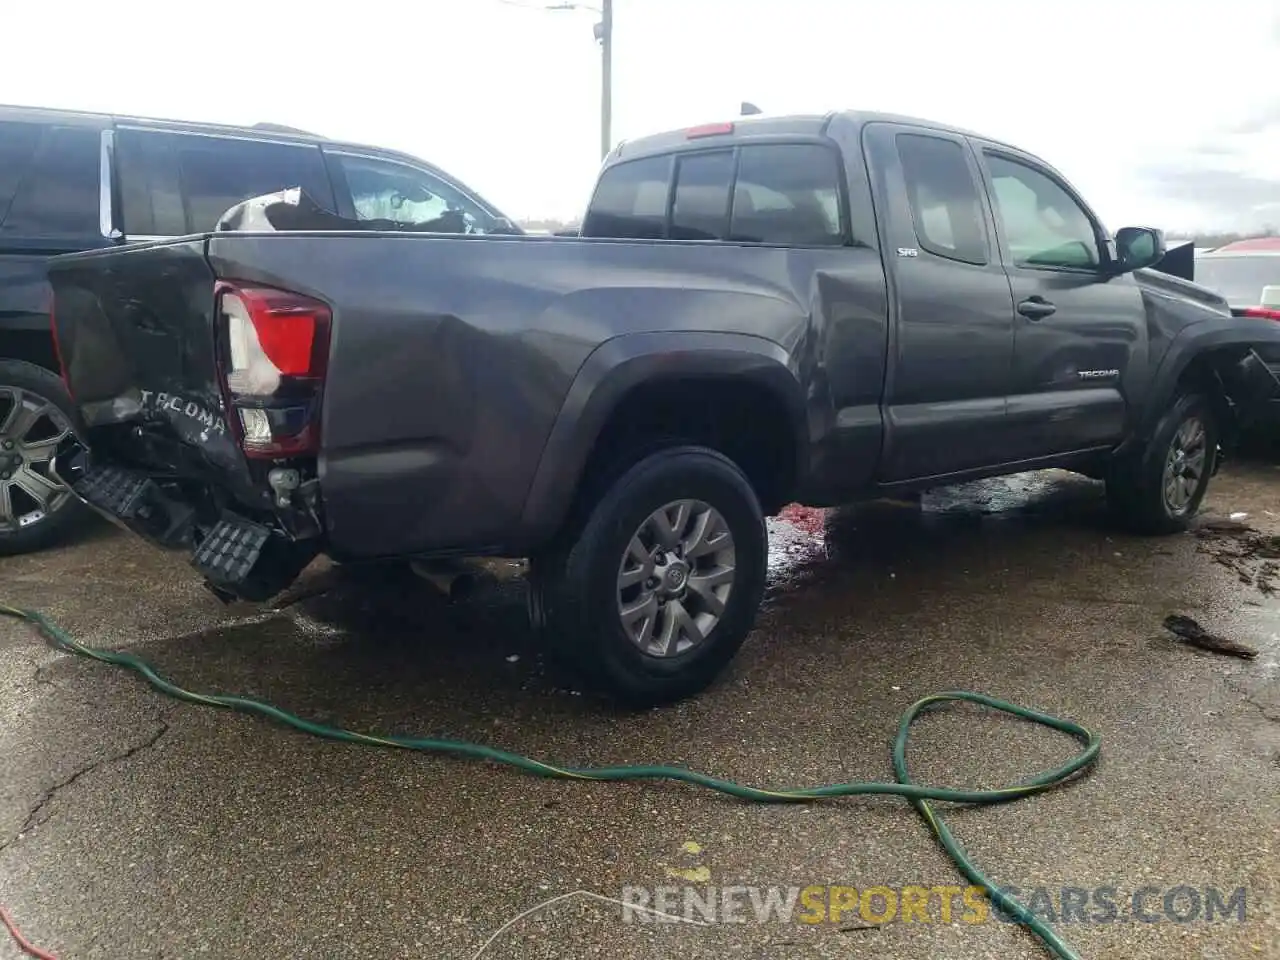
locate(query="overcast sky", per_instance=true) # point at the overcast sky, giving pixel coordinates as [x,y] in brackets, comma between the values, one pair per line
[1161,113]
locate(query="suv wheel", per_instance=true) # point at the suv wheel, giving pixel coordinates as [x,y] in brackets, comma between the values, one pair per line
[1159,488]
[662,586]
[35,415]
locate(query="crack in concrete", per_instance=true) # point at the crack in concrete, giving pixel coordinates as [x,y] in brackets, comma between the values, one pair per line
[33,818]
[1268,713]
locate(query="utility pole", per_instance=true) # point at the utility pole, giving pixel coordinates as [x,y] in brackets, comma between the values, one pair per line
[604,33]
[604,36]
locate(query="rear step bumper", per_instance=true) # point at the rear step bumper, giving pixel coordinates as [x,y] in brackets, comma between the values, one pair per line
[239,558]
[135,501]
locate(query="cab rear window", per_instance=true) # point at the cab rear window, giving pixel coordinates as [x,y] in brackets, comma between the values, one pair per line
[631,201]
[785,194]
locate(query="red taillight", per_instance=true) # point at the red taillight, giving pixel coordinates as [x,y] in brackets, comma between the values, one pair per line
[1262,313]
[276,348]
[708,130]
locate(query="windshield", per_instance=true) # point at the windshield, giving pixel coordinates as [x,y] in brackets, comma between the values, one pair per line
[1239,279]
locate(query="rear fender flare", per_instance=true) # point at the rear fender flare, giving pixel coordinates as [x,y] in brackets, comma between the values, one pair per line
[624,362]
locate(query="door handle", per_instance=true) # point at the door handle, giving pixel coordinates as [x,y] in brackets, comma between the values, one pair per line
[1036,308]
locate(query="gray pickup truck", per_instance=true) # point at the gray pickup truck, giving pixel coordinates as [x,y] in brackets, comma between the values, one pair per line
[815,308]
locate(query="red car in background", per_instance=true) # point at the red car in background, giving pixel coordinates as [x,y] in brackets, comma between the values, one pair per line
[1247,273]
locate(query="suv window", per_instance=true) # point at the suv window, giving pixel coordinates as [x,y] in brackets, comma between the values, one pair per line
[217,173]
[942,194]
[386,190]
[630,201]
[1043,224]
[150,191]
[18,142]
[58,198]
[207,175]
[701,207]
[787,193]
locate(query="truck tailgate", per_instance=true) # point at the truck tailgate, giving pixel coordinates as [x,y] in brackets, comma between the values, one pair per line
[135,334]
[166,365]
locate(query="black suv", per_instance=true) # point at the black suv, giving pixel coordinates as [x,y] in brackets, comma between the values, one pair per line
[78,181]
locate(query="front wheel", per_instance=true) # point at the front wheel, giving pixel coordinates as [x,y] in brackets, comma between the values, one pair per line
[1158,489]
[662,585]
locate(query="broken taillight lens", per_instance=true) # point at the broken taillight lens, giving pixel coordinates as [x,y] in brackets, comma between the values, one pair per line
[274,358]
[57,348]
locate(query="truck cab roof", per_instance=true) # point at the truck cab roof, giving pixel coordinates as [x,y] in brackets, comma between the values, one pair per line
[763,126]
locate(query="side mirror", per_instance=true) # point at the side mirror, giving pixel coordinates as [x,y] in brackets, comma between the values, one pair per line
[1138,247]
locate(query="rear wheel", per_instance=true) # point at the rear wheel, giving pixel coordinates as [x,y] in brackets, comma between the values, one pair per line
[36,414]
[662,585]
[1158,489]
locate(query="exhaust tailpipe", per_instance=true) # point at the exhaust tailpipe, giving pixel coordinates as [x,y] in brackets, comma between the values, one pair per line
[454,579]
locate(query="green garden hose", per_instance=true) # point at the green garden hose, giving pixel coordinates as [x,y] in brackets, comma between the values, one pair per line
[920,797]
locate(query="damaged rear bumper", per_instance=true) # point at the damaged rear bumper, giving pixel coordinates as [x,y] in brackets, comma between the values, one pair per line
[1261,406]
[1252,382]
[239,557]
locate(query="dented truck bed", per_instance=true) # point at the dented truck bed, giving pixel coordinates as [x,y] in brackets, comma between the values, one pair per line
[255,398]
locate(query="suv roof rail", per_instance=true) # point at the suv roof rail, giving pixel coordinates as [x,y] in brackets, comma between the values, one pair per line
[283,128]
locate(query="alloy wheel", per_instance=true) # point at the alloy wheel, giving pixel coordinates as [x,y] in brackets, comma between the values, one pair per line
[675,578]
[1185,465]
[31,428]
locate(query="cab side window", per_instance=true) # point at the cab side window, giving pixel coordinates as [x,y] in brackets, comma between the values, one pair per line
[1043,224]
[787,193]
[385,190]
[942,194]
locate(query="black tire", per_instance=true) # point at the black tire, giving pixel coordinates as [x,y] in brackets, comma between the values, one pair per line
[49,529]
[1136,489]
[576,591]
